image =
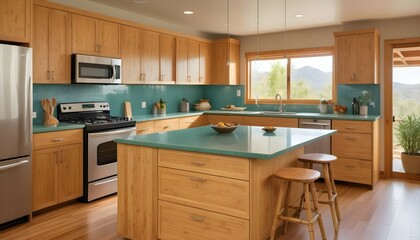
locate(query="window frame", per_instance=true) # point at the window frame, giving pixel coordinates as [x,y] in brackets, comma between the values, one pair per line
[290,53]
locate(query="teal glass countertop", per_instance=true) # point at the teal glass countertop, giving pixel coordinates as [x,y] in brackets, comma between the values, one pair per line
[245,141]
[38,128]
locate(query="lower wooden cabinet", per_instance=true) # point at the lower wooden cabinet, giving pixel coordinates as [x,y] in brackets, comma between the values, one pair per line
[57,171]
[271,121]
[213,119]
[180,222]
[144,127]
[194,121]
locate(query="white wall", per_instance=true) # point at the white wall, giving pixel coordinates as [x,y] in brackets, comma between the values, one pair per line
[322,37]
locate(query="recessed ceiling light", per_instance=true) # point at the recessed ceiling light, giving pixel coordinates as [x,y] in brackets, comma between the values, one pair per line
[139,1]
[188,12]
[299,15]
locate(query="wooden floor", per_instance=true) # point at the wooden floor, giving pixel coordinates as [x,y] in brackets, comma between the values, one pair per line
[391,211]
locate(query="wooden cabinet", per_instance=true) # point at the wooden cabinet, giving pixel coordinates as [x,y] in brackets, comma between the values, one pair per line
[141,54]
[223,73]
[204,193]
[356,146]
[15,20]
[165,125]
[193,62]
[206,56]
[57,167]
[271,121]
[357,57]
[213,119]
[190,122]
[51,46]
[95,37]
[144,127]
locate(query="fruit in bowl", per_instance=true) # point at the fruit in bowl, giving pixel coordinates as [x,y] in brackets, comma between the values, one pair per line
[340,109]
[222,127]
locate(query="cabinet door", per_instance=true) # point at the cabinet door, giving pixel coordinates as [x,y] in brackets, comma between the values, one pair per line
[85,35]
[15,23]
[181,60]
[150,58]
[364,58]
[45,175]
[131,54]
[344,59]
[193,55]
[167,58]
[70,183]
[41,70]
[144,127]
[221,70]
[109,44]
[205,63]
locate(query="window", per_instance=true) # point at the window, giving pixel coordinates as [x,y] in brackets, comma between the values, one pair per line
[302,76]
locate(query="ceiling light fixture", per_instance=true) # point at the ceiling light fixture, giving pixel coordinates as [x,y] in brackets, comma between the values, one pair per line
[139,1]
[188,12]
[228,33]
[299,16]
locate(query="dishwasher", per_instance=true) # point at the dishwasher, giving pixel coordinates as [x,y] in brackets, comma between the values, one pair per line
[322,145]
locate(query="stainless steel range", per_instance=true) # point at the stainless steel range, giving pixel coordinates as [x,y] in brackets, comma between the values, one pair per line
[99,148]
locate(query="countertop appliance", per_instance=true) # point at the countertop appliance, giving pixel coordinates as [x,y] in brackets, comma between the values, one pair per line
[16,130]
[99,148]
[94,69]
[320,146]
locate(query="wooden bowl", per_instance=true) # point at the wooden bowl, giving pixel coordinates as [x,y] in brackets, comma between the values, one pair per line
[227,129]
[269,129]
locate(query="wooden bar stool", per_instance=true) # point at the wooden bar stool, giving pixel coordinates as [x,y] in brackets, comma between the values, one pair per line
[307,177]
[325,160]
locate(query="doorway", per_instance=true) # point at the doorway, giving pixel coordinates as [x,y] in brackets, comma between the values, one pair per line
[402,98]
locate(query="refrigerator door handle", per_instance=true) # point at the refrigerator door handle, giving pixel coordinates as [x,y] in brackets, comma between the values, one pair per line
[13,165]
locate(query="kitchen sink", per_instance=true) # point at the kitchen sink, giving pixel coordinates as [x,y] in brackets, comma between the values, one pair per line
[278,113]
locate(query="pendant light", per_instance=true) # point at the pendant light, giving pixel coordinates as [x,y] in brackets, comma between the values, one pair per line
[228,33]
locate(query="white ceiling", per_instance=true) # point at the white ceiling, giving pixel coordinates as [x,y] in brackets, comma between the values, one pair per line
[210,16]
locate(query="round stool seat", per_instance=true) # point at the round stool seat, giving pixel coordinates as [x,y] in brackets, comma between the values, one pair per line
[298,174]
[317,158]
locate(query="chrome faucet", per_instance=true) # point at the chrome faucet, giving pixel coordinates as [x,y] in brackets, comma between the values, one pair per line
[281,106]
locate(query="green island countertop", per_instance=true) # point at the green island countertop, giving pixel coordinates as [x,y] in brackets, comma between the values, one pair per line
[245,141]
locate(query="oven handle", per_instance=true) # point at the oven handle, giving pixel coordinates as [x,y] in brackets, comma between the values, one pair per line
[125,130]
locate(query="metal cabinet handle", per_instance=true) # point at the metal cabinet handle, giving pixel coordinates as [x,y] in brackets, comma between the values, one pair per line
[200,164]
[143,129]
[57,140]
[166,127]
[197,218]
[49,75]
[348,166]
[197,179]
[350,128]
[13,165]
[162,77]
[351,139]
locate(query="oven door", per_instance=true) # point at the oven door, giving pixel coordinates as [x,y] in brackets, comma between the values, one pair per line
[102,152]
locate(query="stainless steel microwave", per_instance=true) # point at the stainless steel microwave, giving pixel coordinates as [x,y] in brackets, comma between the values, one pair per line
[94,69]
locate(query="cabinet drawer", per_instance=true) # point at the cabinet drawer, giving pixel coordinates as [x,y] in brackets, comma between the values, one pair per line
[218,194]
[144,127]
[352,126]
[179,222]
[58,138]
[352,145]
[232,167]
[352,170]
[166,125]
[190,122]
[213,119]
[271,121]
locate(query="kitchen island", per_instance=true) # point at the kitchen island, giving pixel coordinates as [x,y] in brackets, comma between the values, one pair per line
[199,184]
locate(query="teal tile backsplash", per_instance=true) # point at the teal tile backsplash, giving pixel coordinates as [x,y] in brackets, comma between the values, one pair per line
[219,97]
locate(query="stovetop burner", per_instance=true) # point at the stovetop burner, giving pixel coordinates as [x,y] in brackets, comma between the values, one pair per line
[95,115]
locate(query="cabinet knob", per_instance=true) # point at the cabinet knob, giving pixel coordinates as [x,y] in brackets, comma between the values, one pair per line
[57,140]
[200,164]
[197,218]
[198,179]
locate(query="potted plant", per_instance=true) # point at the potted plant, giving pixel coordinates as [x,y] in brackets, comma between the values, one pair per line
[408,135]
[364,100]
[323,106]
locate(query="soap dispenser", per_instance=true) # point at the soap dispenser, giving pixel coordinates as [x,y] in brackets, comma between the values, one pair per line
[355,107]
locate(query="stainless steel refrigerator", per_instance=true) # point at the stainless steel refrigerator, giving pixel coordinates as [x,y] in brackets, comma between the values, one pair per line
[15,134]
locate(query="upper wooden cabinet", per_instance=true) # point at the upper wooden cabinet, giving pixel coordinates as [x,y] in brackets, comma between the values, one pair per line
[144,60]
[95,37]
[15,20]
[51,46]
[193,62]
[357,57]
[223,73]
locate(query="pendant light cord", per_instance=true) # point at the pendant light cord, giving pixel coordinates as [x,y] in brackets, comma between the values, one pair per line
[258,29]
[285,27]
[228,28]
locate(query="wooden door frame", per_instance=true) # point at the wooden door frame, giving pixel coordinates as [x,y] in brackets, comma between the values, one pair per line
[389,45]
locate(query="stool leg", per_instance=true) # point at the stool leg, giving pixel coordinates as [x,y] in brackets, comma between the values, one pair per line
[309,211]
[278,209]
[286,205]
[331,202]
[320,222]
[334,190]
